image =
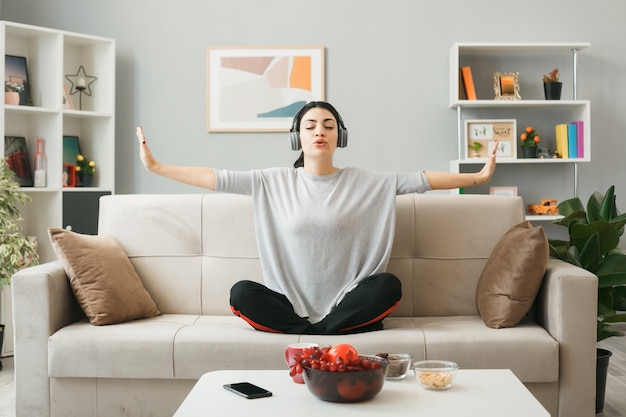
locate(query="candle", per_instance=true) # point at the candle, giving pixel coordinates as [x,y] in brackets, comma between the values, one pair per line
[80,82]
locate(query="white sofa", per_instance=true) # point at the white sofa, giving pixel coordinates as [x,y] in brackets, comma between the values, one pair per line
[190,249]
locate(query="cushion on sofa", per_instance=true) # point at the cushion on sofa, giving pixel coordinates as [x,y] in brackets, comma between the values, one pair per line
[102,278]
[512,276]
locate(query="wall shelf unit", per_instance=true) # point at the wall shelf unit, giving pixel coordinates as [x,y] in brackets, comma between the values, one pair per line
[50,55]
[535,178]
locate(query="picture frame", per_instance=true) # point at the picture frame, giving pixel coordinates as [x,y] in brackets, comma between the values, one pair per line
[69,175]
[18,160]
[260,89]
[68,104]
[71,148]
[506,85]
[16,78]
[503,191]
[485,133]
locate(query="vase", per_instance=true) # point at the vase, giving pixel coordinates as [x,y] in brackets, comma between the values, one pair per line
[602,365]
[552,91]
[529,151]
[85,180]
[11,97]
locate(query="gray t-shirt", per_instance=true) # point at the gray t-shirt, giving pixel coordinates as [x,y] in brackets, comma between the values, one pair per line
[319,236]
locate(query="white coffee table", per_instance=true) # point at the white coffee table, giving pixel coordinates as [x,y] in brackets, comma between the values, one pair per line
[483,393]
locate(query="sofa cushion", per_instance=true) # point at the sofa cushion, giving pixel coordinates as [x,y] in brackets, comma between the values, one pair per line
[102,278]
[512,276]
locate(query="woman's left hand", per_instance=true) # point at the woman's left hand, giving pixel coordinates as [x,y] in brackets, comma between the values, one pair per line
[485,174]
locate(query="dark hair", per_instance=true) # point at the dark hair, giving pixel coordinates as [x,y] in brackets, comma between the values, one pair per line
[295,126]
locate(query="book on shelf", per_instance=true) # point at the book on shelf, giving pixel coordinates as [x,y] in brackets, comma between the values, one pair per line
[561,140]
[18,161]
[572,141]
[468,83]
[580,138]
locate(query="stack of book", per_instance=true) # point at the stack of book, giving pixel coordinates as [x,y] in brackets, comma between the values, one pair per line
[570,141]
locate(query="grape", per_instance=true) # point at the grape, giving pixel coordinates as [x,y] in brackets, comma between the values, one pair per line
[319,358]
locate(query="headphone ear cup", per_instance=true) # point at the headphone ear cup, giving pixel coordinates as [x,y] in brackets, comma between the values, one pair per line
[294,138]
[342,137]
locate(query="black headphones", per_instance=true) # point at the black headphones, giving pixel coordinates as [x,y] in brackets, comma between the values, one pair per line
[294,133]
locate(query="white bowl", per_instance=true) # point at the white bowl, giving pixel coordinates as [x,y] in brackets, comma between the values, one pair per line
[435,374]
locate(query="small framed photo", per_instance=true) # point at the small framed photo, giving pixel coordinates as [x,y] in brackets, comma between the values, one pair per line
[69,175]
[481,136]
[16,79]
[506,85]
[67,98]
[503,191]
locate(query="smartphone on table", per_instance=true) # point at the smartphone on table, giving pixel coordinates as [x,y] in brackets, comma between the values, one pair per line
[248,390]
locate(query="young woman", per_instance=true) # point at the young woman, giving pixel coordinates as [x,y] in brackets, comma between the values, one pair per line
[324,233]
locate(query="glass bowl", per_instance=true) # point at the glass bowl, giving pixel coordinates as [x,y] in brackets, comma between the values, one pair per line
[348,386]
[398,365]
[435,374]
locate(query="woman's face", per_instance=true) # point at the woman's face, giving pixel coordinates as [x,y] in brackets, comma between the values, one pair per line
[318,133]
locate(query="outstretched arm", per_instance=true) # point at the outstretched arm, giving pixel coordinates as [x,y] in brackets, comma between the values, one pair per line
[196,176]
[450,180]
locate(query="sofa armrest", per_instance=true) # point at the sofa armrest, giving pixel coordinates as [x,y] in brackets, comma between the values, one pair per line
[566,307]
[42,303]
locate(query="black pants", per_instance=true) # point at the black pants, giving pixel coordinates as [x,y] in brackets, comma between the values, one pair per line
[361,310]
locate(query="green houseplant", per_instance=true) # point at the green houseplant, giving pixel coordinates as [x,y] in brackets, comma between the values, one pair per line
[594,236]
[16,250]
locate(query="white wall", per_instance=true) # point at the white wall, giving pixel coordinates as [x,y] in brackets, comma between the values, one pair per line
[387,72]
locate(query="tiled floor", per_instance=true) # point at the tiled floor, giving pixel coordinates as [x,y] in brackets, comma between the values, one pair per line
[615,401]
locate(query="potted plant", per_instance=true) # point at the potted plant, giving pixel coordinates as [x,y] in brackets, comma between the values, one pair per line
[85,170]
[16,250]
[530,141]
[552,86]
[12,92]
[593,242]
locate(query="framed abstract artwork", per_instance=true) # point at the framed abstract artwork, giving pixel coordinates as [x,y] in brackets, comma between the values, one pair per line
[260,89]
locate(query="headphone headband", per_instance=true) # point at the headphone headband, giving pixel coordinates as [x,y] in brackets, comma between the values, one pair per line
[294,133]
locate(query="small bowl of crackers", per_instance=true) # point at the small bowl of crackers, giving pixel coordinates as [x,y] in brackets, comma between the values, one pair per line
[435,374]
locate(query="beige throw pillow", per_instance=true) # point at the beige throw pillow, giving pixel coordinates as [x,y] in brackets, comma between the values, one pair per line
[512,276]
[102,278]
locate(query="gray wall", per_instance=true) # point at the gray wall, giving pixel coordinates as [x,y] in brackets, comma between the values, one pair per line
[387,72]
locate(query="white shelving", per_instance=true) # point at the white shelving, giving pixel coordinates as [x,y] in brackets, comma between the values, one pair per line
[50,55]
[535,178]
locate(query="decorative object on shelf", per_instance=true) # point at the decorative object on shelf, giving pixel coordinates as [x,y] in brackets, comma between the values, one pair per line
[504,191]
[530,141]
[468,83]
[594,236]
[40,166]
[476,147]
[16,81]
[506,85]
[81,84]
[69,175]
[486,132]
[298,72]
[85,170]
[67,98]
[18,159]
[552,86]
[547,206]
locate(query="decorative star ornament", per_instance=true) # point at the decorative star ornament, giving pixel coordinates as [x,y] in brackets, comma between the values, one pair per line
[81,82]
